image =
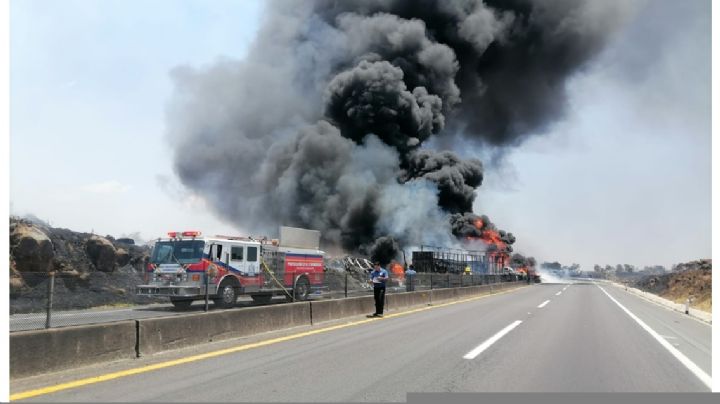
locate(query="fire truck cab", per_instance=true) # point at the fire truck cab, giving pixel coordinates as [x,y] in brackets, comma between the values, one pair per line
[187,266]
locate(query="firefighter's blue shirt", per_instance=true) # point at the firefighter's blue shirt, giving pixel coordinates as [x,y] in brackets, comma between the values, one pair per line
[375,276]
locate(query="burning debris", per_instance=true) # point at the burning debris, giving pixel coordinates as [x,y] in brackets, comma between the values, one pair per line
[332,137]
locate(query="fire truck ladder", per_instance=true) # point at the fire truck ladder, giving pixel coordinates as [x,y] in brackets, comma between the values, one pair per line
[272,275]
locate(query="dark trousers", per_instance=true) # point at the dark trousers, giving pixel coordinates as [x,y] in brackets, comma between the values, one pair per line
[379,300]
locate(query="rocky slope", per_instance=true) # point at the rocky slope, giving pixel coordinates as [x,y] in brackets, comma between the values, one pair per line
[687,279]
[90,270]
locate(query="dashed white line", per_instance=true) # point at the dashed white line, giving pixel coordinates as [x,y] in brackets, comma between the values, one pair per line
[558,293]
[543,304]
[692,367]
[485,345]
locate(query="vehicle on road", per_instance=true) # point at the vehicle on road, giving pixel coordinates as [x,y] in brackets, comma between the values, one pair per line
[187,266]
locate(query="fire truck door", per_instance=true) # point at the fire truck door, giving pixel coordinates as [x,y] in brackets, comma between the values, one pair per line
[237,258]
[253,266]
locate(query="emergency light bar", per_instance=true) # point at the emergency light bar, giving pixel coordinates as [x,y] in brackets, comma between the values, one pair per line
[177,234]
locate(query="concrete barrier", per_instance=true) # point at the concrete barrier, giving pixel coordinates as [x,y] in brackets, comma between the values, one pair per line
[43,351]
[326,310]
[438,295]
[166,333]
[395,301]
[35,352]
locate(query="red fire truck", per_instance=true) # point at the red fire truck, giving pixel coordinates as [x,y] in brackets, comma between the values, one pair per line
[187,266]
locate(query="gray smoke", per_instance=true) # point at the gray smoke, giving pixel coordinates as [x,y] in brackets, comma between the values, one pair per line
[322,124]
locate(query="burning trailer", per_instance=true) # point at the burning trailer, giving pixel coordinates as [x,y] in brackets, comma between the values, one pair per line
[472,262]
[454,261]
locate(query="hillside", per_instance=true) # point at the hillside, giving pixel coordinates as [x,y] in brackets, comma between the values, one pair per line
[90,270]
[687,279]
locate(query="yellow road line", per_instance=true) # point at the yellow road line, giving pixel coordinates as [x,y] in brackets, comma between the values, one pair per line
[194,358]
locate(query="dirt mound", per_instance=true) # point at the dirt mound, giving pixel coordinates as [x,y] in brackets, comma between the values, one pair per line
[89,270]
[691,279]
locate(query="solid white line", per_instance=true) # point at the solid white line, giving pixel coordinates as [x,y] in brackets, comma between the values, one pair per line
[558,293]
[543,304]
[485,345]
[692,367]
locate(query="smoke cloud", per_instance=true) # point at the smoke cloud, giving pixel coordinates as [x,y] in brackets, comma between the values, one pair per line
[322,125]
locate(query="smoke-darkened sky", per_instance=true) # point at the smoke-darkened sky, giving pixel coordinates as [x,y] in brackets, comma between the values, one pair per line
[582,128]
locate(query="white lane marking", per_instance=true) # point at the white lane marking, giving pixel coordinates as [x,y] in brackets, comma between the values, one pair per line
[692,367]
[543,304]
[565,288]
[485,345]
[667,336]
[558,293]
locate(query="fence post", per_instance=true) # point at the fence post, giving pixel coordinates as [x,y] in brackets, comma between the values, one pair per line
[431,283]
[207,291]
[448,280]
[346,279]
[50,292]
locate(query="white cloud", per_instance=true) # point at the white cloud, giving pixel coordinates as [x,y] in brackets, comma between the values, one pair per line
[106,187]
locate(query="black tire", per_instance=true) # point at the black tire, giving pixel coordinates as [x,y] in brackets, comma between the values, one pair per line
[261,299]
[226,296]
[301,290]
[181,304]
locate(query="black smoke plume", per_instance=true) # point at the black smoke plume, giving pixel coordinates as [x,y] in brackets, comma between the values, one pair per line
[322,124]
[384,250]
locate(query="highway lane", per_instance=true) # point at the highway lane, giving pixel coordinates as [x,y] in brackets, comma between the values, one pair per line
[689,335]
[579,340]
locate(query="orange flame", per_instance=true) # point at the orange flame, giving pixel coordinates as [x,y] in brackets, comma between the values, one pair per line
[397,270]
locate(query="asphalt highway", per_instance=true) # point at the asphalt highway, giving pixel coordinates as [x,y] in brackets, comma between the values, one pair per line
[541,338]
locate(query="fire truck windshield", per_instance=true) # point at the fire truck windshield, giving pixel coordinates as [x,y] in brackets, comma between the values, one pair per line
[177,252]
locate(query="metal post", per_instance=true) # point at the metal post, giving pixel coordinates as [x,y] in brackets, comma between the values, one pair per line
[448,280]
[50,291]
[346,279]
[207,290]
[431,283]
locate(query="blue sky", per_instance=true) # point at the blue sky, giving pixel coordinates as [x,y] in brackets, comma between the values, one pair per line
[89,84]
[624,178]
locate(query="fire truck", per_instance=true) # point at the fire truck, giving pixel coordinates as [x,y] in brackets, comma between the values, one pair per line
[188,266]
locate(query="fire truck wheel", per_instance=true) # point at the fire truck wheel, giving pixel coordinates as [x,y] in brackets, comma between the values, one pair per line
[181,304]
[227,295]
[302,289]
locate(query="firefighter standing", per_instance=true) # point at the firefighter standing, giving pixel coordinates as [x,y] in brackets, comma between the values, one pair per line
[410,278]
[378,277]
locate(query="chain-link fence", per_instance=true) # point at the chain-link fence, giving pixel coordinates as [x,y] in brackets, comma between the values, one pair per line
[56,299]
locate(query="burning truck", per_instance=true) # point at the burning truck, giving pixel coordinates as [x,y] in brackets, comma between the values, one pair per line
[187,266]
